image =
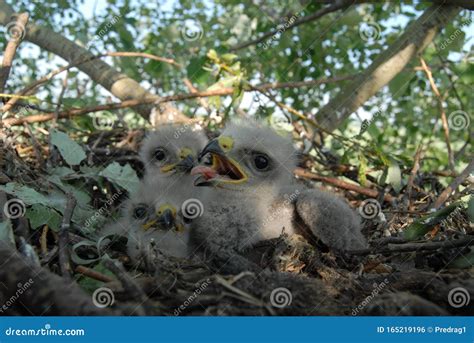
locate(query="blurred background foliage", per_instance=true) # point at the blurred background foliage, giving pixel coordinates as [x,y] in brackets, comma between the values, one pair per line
[200,35]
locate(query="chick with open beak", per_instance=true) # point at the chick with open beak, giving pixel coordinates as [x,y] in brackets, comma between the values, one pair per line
[220,168]
[252,195]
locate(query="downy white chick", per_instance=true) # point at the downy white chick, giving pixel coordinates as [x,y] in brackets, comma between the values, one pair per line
[252,195]
[156,225]
[169,154]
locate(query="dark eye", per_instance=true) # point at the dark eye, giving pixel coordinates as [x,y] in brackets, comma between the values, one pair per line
[159,154]
[140,212]
[261,162]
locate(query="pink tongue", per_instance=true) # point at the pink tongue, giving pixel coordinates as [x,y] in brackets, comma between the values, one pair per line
[205,171]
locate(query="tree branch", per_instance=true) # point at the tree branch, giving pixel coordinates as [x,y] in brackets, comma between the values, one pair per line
[42,117]
[120,85]
[386,66]
[10,50]
[337,5]
[454,185]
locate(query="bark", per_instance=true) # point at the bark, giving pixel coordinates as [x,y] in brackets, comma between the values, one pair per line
[119,84]
[386,66]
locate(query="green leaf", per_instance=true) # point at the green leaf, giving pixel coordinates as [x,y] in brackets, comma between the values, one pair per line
[124,176]
[6,232]
[422,225]
[212,55]
[82,197]
[40,215]
[195,70]
[26,194]
[72,152]
[400,83]
[470,209]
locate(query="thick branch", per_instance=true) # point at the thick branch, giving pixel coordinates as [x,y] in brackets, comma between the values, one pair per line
[10,50]
[386,66]
[120,85]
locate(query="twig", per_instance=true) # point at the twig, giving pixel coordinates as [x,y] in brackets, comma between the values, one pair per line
[145,305]
[44,240]
[455,184]
[60,98]
[10,50]
[144,55]
[244,296]
[425,246]
[444,121]
[414,171]
[316,15]
[63,241]
[37,118]
[193,90]
[93,274]
[342,184]
[49,76]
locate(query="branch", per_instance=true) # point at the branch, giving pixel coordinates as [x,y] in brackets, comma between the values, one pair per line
[63,240]
[386,66]
[342,184]
[10,50]
[120,85]
[37,118]
[329,9]
[454,185]
[32,86]
[424,246]
[444,121]
[47,294]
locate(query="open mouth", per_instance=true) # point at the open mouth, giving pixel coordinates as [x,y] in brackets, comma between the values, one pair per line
[222,170]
